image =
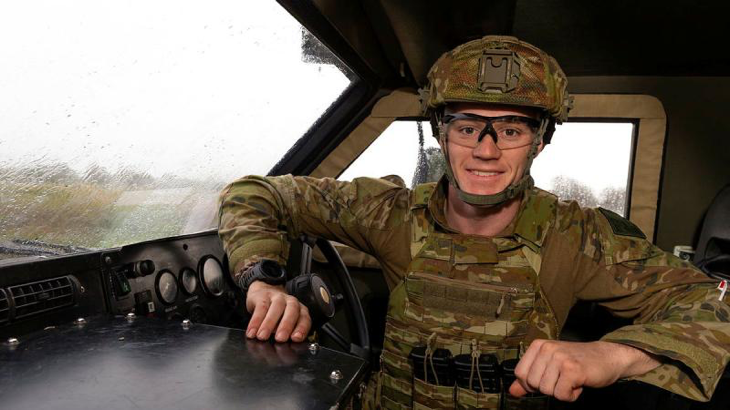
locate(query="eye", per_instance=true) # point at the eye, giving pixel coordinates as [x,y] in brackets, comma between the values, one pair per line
[468,130]
[511,132]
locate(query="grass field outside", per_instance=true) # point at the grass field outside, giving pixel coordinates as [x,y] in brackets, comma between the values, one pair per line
[86,214]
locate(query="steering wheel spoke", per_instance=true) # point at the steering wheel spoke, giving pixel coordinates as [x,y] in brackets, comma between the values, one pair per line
[360,345]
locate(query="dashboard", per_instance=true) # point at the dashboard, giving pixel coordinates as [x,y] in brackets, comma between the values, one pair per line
[96,316]
[182,278]
[179,278]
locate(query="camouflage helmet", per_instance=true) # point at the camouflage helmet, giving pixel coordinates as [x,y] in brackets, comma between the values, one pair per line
[497,70]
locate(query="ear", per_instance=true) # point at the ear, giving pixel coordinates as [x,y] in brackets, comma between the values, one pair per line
[539,148]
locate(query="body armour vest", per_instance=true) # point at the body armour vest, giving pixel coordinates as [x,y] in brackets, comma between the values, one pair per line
[466,306]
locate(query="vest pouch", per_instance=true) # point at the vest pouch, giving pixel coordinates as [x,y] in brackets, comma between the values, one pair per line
[396,371]
[388,404]
[428,396]
[488,310]
[395,393]
[468,399]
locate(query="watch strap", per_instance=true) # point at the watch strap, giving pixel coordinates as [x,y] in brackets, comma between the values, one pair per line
[266,270]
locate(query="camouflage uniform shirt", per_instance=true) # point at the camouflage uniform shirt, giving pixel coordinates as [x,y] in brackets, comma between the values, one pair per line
[579,254]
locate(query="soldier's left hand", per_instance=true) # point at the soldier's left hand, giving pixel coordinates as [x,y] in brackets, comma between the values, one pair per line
[561,369]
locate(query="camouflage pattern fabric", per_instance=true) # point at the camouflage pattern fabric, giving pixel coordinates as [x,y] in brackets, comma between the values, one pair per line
[520,284]
[532,78]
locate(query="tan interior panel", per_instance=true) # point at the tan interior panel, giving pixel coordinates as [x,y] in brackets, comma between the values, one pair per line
[647,164]
[398,104]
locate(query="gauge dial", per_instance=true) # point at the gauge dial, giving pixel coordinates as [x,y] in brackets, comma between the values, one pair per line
[166,286]
[189,281]
[211,274]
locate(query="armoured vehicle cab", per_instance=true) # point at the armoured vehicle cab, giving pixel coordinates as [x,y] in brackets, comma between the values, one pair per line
[122,122]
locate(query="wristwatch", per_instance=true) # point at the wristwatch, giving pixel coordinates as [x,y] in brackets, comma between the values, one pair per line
[267,270]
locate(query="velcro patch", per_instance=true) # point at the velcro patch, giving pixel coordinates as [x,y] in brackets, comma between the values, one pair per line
[621,225]
[470,302]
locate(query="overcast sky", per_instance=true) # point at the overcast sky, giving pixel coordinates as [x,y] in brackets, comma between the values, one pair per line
[192,88]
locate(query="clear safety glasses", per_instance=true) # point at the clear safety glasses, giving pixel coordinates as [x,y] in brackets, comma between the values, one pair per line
[507,132]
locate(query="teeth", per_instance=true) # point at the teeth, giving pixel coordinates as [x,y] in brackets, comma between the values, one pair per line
[484,174]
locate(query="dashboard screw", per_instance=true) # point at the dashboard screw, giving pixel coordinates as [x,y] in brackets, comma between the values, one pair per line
[336,375]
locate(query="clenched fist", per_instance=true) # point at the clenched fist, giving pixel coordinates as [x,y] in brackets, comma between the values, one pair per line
[562,369]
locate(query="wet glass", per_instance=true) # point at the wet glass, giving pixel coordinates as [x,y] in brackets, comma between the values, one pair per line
[508,132]
[122,120]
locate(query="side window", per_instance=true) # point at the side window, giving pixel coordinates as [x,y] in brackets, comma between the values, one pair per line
[589,162]
[407,149]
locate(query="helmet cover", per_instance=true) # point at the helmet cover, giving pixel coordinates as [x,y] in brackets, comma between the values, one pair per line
[497,70]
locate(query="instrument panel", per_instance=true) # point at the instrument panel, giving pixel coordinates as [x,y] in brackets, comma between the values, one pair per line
[182,278]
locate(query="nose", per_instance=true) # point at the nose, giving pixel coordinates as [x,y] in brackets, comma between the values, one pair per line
[486,148]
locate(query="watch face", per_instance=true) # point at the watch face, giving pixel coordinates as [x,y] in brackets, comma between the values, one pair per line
[272,271]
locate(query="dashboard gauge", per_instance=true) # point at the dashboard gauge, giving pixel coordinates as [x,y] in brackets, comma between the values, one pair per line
[211,276]
[166,287]
[189,281]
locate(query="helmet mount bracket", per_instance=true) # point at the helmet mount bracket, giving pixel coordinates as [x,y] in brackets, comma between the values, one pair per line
[499,71]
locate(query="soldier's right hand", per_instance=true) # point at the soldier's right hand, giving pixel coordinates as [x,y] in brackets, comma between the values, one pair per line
[275,312]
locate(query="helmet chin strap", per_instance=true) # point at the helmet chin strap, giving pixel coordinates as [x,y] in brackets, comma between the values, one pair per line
[512,191]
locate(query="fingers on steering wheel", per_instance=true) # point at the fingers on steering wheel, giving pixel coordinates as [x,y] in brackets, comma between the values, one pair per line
[288,320]
[278,304]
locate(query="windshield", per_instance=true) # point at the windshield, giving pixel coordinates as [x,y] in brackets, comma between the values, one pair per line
[122,120]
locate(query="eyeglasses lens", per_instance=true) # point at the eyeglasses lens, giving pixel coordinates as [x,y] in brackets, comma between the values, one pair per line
[508,132]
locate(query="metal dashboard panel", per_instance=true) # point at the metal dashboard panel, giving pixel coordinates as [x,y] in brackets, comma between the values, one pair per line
[173,255]
[113,363]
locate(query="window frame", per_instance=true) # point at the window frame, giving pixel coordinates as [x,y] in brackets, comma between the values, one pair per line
[647,112]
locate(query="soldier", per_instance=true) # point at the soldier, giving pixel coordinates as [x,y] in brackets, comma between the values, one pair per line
[482,262]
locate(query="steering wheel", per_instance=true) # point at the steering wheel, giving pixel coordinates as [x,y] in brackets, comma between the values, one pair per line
[358,327]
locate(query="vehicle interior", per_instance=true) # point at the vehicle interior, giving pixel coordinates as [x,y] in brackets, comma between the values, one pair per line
[99,233]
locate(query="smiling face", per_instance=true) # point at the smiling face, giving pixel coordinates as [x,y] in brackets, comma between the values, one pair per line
[485,169]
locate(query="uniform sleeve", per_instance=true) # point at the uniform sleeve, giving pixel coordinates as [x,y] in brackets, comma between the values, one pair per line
[259,215]
[676,309]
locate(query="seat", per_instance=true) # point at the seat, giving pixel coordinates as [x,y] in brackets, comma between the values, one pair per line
[713,248]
